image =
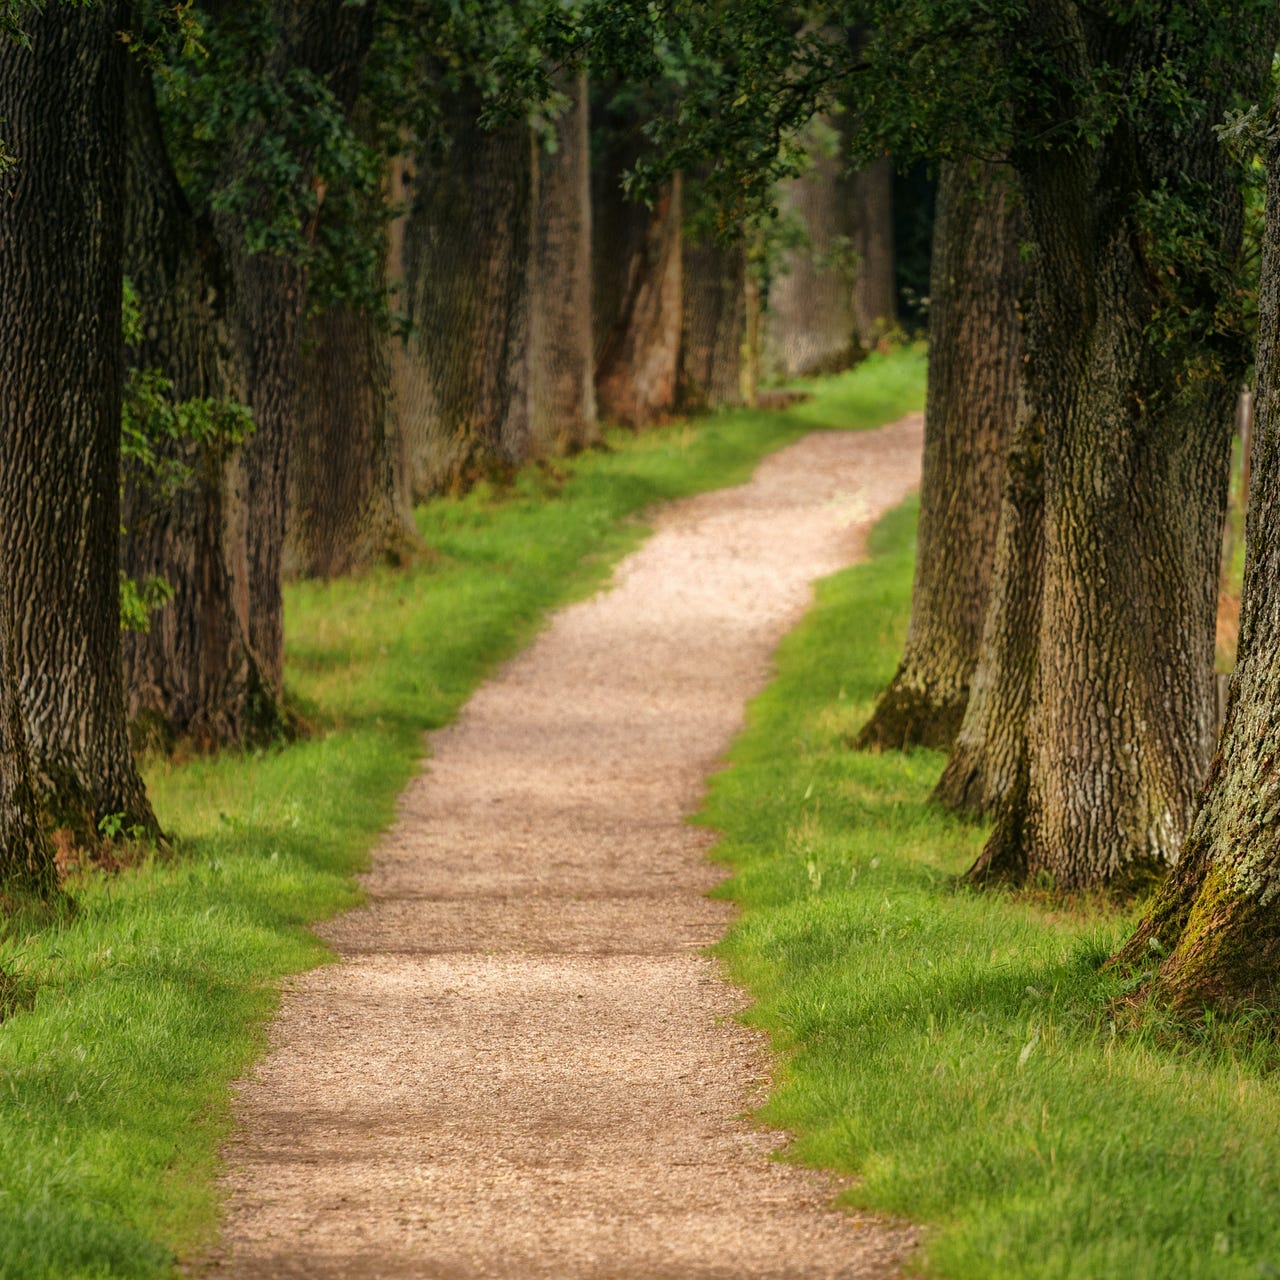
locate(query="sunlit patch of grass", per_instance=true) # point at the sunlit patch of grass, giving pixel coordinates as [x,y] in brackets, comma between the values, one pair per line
[127,1018]
[963,1052]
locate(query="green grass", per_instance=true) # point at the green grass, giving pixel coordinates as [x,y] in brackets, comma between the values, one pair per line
[127,1020]
[954,1049]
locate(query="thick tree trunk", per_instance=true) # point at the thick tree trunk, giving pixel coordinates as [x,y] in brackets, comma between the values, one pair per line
[192,674]
[989,756]
[637,281]
[875,293]
[329,39]
[349,491]
[715,320]
[1136,458]
[61,372]
[974,372]
[564,396]
[638,363]
[1212,934]
[810,325]
[464,386]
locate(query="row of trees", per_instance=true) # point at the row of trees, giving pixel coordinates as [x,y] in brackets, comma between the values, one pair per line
[1090,330]
[364,253]
[1091,336]
[1094,312]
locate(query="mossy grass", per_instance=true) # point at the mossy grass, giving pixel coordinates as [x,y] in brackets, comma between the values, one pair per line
[963,1052]
[127,1018]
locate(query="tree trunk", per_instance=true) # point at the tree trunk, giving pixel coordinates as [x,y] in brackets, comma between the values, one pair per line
[637,280]
[331,40]
[1136,455]
[974,371]
[809,320]
[989,756]
[564,396]
[26,857]
[1212,934]
[61,372]
[875,293]
[638,365]
[192,674]
[349,494]
[464,389]
[715,319]
[349,490]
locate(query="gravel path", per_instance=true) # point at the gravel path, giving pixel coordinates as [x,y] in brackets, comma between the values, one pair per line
[523,1065]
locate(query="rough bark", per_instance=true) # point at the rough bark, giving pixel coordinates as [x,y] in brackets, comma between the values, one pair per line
[563,391]
[637,282]
[1135,464]
[61,377]
[974,372]
[875,294]
[26,856]
[192,674]
[464,384]
[349,502]
[989,755]
[714,321]
[330,39]
[1212,933]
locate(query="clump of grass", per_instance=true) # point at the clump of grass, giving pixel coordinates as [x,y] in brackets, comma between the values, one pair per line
[143,1005]
[963,1052]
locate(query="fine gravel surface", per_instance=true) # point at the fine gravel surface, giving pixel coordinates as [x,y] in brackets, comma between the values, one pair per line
[523,1064]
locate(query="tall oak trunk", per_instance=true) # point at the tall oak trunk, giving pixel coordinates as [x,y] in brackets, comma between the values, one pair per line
[563,392]
[637,279]
[61,377]
[989,756]
[329,39]
[349,488]
[464,376]
[810,325]
[1212,934]
[192,674]
[715,321]
[1136,456]
[975,358]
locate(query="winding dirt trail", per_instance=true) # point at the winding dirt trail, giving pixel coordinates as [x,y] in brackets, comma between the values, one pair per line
[523,1066]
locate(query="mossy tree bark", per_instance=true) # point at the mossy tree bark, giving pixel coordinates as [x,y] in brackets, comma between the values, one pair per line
[463,390]
[563,391]
[989,756]
[1136,457]
[61,378]
[974,373]
[192,674]
[1212,933]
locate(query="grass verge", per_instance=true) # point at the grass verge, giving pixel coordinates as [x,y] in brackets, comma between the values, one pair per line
[956,1049]
[140,1008]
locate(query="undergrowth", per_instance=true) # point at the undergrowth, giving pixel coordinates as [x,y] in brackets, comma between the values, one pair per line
[962,1052]
[126,1020]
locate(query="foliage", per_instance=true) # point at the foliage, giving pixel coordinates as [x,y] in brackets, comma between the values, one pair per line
[961,1052]
[263,145]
